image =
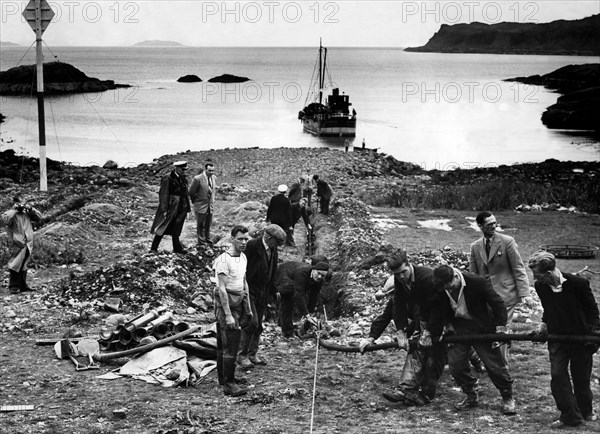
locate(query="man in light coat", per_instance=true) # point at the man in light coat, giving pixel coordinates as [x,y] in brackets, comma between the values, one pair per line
[20,232]
[497,256]
[203,199]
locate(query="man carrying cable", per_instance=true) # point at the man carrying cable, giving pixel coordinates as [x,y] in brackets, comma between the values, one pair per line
[413,292]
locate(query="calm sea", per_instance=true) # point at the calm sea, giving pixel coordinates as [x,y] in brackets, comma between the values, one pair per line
[435,110]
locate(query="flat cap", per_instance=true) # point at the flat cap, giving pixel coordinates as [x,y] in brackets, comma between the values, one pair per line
[276,232]
[321,266]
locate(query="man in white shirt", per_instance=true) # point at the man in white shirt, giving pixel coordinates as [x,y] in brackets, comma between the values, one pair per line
[232,301]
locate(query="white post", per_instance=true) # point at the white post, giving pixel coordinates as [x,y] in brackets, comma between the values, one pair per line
[40,95]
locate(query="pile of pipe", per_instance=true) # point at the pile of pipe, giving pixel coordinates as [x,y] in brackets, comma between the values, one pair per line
[144,329]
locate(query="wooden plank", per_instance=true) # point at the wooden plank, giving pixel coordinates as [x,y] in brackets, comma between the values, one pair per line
[16,408]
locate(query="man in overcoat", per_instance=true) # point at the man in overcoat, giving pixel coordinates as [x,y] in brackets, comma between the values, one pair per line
[203,199]
[279,211]
[324,194]
[20,233]
[173,206]
[262,258]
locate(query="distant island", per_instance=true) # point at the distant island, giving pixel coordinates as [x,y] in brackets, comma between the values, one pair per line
[8,44]
[561,37]
[59,78]
[157,43]
[579,107]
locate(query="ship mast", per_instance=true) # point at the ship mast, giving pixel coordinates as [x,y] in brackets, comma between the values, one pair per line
[320,70]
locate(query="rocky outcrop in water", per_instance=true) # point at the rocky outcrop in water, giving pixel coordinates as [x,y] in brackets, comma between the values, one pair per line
[59,78]
[561,37]
[228,78]
[579,107]
[191,78]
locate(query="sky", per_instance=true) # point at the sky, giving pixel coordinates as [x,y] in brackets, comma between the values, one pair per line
[349,23]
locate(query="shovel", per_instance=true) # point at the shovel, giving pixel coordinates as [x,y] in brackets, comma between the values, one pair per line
[89,347]
[65,349]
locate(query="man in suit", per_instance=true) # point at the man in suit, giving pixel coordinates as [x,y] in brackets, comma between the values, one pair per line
[279,211]
[468,305]
[262,262]
[569,308]
[173,206]
[203,198]
[497,256]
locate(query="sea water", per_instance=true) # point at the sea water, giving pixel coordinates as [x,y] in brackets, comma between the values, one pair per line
[436,110]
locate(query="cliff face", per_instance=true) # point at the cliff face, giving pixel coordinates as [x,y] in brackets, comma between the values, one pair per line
[578,37]
[579,107]
[59,78]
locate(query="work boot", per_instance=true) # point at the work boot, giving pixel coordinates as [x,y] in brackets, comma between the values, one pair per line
[509,406]
[469,402]
[245,363]
[230,388]
[397,395]
[14,283]
[24,286]
[258,361]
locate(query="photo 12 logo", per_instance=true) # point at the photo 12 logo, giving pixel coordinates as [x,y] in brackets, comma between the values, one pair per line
[468,91]
[453,12]
[270,11]
[126,12]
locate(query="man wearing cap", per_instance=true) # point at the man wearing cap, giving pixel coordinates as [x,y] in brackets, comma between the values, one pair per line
[569,309]
[496,256]
[298,210]
[203,198]
[298,284]
[279,211]
[173,206]
[467,304]
[262,257]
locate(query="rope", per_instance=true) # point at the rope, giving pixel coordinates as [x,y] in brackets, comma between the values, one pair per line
[312,411]
[27,51]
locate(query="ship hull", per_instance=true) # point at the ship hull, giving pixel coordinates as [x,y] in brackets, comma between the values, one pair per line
[330,127]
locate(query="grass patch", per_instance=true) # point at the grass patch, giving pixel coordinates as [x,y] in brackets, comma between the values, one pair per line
[500,194]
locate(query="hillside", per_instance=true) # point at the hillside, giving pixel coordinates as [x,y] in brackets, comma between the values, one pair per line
[562,37]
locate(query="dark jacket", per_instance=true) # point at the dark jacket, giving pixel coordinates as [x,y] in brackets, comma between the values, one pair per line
[295,193]
[484,305]
[173,204]
[323,189]
[280,211]
[260,270]
[293,278]
[413,304]
[297,212]
[572,311]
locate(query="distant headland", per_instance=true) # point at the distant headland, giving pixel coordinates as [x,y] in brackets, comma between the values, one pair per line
[561,37]
[157,43]
[8,44]
[579,107]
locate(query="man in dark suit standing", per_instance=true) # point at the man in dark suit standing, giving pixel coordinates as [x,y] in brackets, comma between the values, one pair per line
[468,305]
[279,211]
[262,262]
[203,198]
[569,308]
[173,206]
